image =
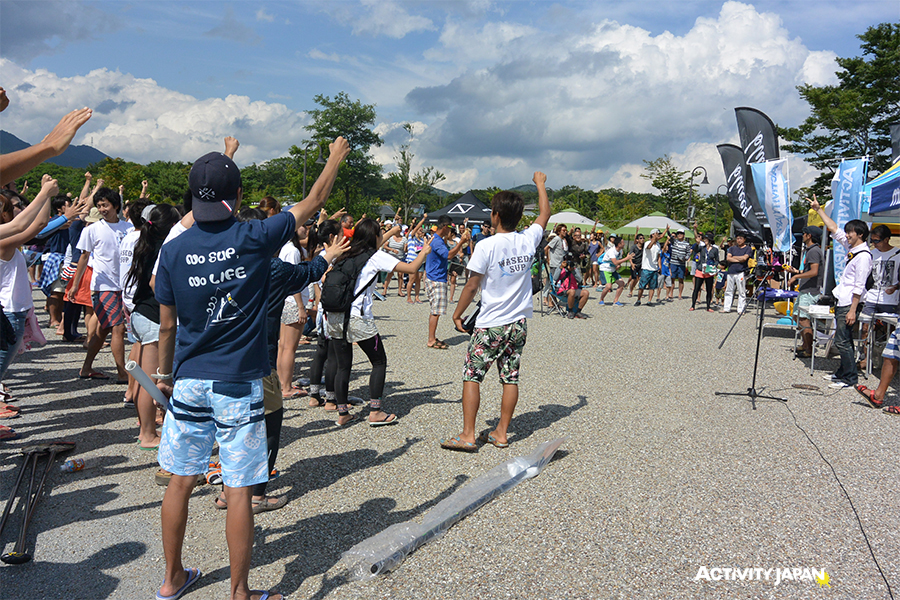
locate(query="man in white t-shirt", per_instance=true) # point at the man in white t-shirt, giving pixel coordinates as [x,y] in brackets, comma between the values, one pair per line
[650,267]
[501,267]
[883,296]
[101,242]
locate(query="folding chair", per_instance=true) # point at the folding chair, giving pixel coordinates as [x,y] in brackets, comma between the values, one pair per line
[558,302]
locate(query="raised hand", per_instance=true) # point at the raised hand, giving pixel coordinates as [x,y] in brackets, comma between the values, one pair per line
[61,136]
[88,176]
[49,186]
[231,146]
[74,209]
[539,178]
[4,100]
[337,250]
[338,149]
[814,203]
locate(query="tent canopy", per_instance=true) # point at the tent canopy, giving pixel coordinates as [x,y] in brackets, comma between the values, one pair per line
[884,191]
[468,206]
[386,212]
[571,219]
[655,220]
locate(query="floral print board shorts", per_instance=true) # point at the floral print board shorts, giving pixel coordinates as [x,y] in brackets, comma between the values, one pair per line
[504,344]
[201,412]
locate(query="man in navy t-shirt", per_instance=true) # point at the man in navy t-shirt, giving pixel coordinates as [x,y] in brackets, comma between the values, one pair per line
[213,282]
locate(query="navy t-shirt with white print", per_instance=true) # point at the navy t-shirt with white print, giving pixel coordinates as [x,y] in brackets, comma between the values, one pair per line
[217,277]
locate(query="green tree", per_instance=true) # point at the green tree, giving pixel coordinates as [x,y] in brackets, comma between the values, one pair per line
[853,117]
[406,184]
[70,179]
[353,120]
[168,181]
[118,171]
[674,185]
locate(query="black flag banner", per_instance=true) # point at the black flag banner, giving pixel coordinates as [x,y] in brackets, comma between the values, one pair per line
[746,214]
[895,143]
[759,140]
[759,143]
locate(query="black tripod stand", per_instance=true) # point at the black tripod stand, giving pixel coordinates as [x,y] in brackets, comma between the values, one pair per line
[752,392]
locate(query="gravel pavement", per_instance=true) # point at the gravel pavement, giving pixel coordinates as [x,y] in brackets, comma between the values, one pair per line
[658,478]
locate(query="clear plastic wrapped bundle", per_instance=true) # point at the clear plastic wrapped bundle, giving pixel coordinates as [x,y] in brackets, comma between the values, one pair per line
[385,551]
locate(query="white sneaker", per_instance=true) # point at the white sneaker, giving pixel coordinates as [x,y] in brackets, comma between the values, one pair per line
[839,385]
[829,377]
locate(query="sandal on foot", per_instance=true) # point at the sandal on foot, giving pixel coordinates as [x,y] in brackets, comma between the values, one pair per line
[220,502]
[869,395]
[802,354]
[8,433]
[94,375]
[455,443]
[438,345]
[353,419]
[192,576]
[891,410]
[264,595]
[264,505]
[388,420]
[486,438]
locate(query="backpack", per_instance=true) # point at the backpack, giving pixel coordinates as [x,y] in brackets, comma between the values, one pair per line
[337,289]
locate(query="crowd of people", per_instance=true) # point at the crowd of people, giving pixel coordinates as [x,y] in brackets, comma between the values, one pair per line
[215,298]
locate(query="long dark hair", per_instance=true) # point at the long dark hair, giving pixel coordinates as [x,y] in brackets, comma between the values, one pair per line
[328,230]
[365,238]
[153,233]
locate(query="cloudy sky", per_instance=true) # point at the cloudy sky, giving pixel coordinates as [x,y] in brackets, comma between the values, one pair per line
[581,90]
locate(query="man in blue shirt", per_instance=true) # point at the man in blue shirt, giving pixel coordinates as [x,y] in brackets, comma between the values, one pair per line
[436,276]
[213,280]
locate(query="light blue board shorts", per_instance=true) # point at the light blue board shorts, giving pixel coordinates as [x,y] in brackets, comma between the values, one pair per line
[201,412]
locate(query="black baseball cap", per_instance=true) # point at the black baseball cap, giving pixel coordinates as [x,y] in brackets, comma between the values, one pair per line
[814,232]
[214,182]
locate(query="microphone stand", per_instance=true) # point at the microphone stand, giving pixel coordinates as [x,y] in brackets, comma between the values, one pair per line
[752,392]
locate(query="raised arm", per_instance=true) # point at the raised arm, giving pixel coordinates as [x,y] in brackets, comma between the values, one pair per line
[831,225]
[231,146]
[540,180]
[144,185]
[16,164]
[303,210]
[30,221]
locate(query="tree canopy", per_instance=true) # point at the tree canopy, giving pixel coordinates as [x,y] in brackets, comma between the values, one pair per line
[852,118]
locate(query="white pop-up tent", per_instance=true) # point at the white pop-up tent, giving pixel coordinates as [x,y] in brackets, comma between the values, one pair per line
[571,219]
[655,220]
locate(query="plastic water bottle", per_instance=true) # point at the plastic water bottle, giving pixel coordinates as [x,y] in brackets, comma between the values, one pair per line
[72,465]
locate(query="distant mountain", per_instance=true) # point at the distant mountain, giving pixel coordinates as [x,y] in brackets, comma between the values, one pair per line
[439,192]
[74,156]
[525,187]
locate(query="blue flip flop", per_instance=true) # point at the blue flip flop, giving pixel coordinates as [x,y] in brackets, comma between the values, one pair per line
[193,576]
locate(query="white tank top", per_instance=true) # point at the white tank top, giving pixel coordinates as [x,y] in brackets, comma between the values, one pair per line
[15,289]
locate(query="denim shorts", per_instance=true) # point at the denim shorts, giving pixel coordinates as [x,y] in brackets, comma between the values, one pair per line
[677,271]
[145,331]
[649,279]
[202,412]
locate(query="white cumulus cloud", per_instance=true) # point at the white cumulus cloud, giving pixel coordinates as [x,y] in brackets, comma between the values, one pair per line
[586,105]
[139,120]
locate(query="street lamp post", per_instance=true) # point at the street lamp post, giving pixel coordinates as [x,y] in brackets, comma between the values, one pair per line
[319,161]
[691,189]
[716,222]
